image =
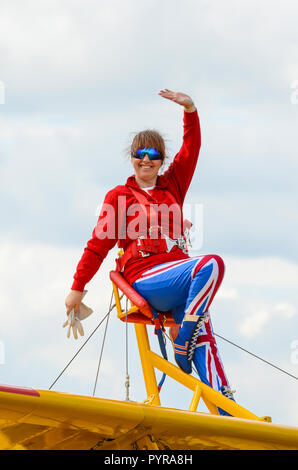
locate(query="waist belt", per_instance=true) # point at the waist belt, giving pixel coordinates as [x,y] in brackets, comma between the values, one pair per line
[143,247]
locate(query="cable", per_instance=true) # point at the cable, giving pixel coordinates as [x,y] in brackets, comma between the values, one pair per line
[80,349]
[102,346]
[258,357]
[127,376]
[248,352]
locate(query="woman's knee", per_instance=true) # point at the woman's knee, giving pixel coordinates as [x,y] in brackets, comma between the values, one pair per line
[221,265]
[209,260]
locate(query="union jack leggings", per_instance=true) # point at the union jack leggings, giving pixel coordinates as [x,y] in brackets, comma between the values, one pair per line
[188,287]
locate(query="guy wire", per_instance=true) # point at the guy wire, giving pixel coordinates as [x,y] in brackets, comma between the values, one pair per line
[102,346]
[258,357]
[80,349]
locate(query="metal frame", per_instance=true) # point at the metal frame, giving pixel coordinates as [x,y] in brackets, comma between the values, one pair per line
[151,361]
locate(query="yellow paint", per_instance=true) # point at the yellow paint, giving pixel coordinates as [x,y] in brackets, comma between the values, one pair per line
[151,360]
[64,421]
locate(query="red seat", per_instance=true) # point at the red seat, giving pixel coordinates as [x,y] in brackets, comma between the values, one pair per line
[140,312]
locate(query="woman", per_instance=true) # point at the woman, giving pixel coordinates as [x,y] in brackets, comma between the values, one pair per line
[155,261]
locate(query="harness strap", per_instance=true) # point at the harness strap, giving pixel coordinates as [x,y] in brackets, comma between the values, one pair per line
[158,331]
[144,246]
[137,248]
[145,203]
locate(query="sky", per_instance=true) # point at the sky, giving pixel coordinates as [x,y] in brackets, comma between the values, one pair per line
[77,79]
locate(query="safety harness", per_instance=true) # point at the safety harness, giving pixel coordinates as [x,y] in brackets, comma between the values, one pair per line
[144,246]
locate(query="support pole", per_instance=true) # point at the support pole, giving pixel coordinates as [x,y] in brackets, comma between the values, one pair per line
[148,369]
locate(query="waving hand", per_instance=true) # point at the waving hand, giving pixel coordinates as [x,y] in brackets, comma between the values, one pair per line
[179,98]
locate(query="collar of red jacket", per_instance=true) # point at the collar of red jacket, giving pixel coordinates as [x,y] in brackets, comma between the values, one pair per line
[161,182]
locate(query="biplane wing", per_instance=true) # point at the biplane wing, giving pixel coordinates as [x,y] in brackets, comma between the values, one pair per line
[47,420]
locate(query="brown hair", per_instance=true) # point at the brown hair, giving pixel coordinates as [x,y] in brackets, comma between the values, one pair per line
[148,138]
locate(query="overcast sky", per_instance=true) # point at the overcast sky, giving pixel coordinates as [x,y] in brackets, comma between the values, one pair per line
[77,79]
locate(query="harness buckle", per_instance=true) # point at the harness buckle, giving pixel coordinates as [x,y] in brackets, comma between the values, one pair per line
[156,228]
[180,242]
[153,231]
[144,255]
[169,242]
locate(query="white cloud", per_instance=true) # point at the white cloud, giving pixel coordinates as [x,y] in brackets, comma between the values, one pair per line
[70,46]
[255,381]
[35,279]
[254,323]
[285,310]
[263,272]
[257,298]
[79,77]
[93,77]
[34,282]
[227,293]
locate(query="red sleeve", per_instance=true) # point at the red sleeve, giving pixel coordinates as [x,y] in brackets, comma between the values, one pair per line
[102,241]
[181,170]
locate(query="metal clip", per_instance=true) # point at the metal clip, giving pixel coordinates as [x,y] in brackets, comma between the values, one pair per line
[155,227]
[140,251]
[169,242]
[181,242]
[149,400]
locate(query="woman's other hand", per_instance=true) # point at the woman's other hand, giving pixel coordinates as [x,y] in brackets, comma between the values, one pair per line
[73,300]
[179,98]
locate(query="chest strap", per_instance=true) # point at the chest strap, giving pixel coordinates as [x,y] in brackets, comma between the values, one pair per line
[146,246]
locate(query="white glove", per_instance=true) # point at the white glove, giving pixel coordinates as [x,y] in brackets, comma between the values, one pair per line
[74,320]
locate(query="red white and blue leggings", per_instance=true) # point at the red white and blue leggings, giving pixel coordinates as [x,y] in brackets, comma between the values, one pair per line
[187,287]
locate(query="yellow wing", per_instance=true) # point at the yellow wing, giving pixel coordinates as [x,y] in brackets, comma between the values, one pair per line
[40,420]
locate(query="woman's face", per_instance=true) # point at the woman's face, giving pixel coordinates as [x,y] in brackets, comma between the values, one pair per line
[145,169]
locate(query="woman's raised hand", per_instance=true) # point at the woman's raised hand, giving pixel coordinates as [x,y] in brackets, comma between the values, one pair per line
[179,98]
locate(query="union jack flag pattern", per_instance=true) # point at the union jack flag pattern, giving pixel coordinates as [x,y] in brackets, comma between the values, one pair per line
[187,288]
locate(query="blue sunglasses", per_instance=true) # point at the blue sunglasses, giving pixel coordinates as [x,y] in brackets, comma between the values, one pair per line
[152,153]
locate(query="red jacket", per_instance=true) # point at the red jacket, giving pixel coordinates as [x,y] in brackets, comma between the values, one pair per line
[176,180]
